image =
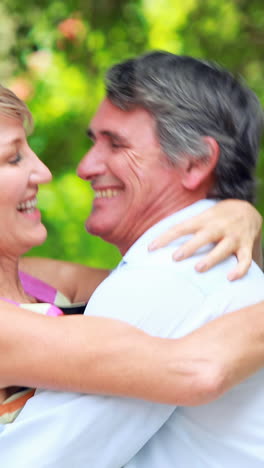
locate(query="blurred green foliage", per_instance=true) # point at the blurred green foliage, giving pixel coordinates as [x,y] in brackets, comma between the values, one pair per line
[54,54]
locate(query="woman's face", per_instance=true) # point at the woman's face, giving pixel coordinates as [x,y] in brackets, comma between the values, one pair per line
[21,172]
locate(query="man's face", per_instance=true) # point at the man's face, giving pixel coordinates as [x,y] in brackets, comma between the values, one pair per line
[134,185]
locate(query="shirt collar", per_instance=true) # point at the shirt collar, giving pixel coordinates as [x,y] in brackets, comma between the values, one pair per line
[140,247]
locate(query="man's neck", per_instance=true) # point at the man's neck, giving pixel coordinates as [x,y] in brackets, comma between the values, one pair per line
[152,217]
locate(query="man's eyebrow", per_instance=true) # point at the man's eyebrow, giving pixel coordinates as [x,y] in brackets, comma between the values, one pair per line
[114,136]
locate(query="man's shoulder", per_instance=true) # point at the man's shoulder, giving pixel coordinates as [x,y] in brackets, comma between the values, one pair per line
[158,269]
[167,299]
[162,260]
[153,299]
[211,288]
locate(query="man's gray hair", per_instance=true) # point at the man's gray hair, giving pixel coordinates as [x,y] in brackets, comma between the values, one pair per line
[190,99]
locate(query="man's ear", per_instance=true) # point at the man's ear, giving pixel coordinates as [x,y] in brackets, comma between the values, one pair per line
[200,170]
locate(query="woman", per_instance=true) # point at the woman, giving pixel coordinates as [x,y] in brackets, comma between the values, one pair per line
[36,351]
[21,172]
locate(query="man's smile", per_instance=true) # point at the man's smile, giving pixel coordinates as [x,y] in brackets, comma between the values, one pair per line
[106,193]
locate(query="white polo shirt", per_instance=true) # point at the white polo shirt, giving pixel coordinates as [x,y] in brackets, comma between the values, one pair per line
[168,299]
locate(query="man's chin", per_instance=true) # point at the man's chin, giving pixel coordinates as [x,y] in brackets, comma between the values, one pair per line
[96,229]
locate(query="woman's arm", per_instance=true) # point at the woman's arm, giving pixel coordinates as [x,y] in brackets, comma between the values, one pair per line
[98,355]
[92,354]
[235,227]
[74,280]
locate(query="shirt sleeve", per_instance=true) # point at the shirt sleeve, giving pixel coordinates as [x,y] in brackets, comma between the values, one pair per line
[66,430]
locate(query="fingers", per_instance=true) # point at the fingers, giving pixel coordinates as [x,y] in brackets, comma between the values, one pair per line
[223,250]
[219,253]
[187,227]
[244,260]
[231,224]
[190,247]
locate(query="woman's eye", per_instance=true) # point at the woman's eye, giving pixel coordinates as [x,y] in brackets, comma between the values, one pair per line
[16,159]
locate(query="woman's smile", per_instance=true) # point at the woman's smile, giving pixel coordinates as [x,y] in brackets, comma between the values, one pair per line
[29,208]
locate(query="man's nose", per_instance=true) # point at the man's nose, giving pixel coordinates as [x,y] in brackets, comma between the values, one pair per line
[91,165]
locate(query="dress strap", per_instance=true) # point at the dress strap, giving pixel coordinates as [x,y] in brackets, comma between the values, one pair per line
[42,291]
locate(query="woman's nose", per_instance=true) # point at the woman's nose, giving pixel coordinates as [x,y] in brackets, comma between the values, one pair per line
[40,173]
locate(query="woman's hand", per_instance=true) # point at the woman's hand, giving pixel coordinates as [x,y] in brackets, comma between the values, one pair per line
[235,227]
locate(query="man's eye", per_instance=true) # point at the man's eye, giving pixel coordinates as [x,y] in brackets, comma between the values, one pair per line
[115,145]
[17,158]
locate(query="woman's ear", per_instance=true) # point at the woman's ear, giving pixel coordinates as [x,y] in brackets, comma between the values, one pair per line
[200,170]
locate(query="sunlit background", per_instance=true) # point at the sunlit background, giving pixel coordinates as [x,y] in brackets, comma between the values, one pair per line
[54,55]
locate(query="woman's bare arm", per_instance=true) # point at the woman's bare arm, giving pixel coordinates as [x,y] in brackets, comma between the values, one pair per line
[76,281]
[98,355]
[235,227]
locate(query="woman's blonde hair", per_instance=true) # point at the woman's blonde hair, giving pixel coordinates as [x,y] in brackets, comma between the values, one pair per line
[12,106]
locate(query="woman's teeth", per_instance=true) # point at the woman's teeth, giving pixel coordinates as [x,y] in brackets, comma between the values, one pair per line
[27,206]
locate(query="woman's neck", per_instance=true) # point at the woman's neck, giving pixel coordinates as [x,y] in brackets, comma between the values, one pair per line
[10,284]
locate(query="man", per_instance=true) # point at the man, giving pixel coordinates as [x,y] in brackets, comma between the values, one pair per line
[171,132]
